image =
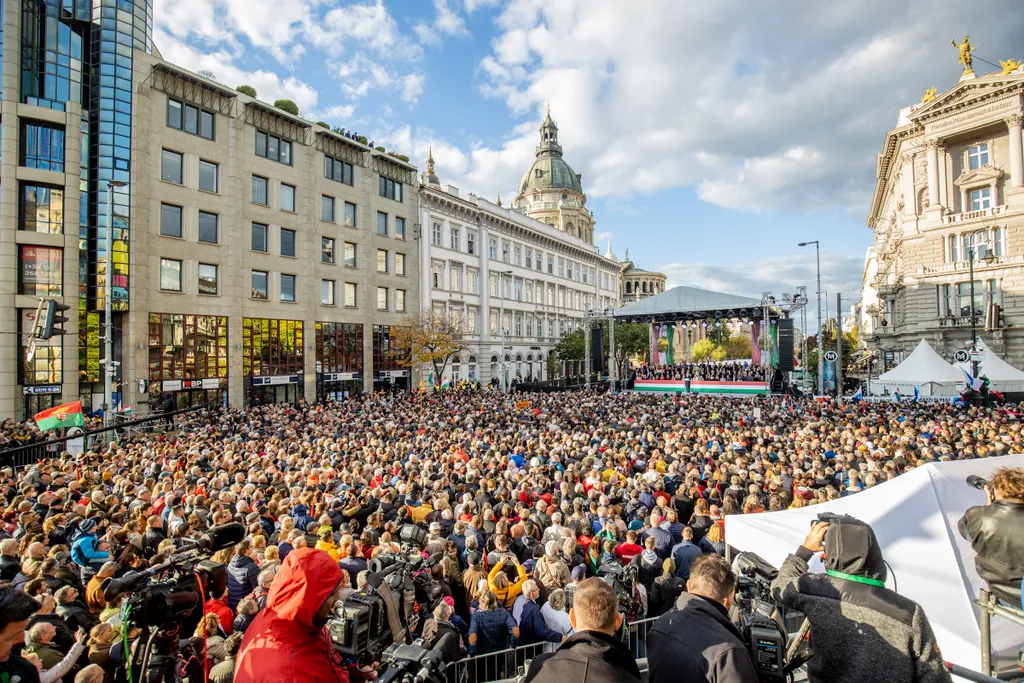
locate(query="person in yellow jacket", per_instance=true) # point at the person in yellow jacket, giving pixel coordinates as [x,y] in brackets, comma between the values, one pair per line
[326,543]
[503,589]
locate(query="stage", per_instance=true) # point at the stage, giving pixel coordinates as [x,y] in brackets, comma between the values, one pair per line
[700,387]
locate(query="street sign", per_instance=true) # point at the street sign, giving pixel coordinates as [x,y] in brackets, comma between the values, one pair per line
[961,356]
[831,356]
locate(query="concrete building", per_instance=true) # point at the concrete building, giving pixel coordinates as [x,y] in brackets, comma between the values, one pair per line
[270,255]
[949,197]
[536,260]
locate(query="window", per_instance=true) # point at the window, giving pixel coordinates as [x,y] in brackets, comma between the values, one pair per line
[327,292]
[259,190]
[954,248]
[382,260]
[561,267]
[492,248]
[350,254]
[170,166]
[42,209]
[185,117]
[529,292]
[170,275]
[335,169]
[259,284]
[208,176]
[326,250]
[435,234]
[274,148]
[964,297]
[382,223]
[272,347]
[997,242]
[208,227]
[977,156]
[399,228]
[456,242]
[208,279]
[170,220]
[504,251]
[399,264]
[350,215]
[517,255]
[471,320]
[551,264]
[287,242]
[437,275]
[259,237]
[42,146]
[400,300]
[518,289]
[287,197]
[390,189]
[471,281]
[456,278]
[981,199]
[327,208]
[287,287]
[41,271]
[470,242]
[529,258]
[382,298]
[350,294]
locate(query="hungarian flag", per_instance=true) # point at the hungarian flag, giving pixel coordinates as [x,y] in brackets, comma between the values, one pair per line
[66,415]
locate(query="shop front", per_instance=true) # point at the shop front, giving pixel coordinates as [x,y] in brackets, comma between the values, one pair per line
[339,360]
[271,389]
[338,386]
[390,363]
[187,393]
[42,369]
[272,360]
[188,361]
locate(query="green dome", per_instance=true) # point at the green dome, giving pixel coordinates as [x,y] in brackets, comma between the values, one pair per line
[549,171]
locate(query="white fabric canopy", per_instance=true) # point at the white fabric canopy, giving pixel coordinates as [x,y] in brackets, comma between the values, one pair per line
[921,366]
[915,518]
[1004,377]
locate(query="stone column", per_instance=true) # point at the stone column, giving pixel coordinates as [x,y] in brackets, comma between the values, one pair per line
[1013,122]
[933,172]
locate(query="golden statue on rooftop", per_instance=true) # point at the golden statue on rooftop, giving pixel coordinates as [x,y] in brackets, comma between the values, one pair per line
[965,48]
[929,94]
[1010,65]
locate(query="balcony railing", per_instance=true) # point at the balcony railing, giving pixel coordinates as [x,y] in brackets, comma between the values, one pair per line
[964,266]
[959,320]
[968,216]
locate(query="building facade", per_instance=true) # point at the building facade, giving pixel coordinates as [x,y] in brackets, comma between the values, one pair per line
[531,269]
[950,199]
[637,283]
[270,255]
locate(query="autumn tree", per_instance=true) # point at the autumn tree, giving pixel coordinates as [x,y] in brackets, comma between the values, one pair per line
[428,338]
[702,350]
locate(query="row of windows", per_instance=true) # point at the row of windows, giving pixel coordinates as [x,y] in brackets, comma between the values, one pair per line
[978,244]
[190,119]
[954,300]
[274,148]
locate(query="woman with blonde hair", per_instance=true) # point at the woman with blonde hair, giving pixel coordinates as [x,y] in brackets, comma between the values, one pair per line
[208,628]
[666,588]
[498,582]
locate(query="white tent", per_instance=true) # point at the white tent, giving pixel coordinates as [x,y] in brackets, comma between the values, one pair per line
[924,369]
[915,519]
[1004,377]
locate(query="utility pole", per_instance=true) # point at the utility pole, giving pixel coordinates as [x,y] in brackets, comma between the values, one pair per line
[839,348]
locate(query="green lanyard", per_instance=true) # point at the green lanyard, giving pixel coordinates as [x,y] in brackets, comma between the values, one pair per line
[857,579]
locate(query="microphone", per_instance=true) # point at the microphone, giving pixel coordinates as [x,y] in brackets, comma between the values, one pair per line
[217,538]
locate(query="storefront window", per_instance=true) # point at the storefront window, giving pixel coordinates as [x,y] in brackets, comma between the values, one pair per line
[271,347]
[339,347]
[40,271]
[187,346]
[385,355]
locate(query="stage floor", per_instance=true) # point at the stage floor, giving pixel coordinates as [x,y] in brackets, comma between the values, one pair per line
[701,387]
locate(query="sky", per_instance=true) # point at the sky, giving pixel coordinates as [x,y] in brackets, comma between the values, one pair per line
[711,137]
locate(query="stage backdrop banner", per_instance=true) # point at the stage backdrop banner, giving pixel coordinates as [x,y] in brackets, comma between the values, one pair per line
[915,519]
[698,387]
[755,339]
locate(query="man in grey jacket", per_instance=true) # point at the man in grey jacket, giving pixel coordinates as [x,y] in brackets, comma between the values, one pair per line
[860,630]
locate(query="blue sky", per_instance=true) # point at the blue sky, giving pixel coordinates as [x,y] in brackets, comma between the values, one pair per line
[712,137]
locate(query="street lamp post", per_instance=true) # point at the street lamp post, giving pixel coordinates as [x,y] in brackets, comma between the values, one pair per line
[821,364]
[975,251]
[108,307]
[501,326]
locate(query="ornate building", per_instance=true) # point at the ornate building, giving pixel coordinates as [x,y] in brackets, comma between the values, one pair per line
[637,283]
[950,199]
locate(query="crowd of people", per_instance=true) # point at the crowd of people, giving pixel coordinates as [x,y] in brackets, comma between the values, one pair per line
[523,499]
[707,372]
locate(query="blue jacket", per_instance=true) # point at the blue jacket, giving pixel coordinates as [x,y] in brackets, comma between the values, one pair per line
[533,628]
[84,551]
[684,554]
[300,513]
[242,579]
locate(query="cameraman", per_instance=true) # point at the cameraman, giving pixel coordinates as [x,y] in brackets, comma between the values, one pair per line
[860,630]
[996,532]
[286,641]
[697,641]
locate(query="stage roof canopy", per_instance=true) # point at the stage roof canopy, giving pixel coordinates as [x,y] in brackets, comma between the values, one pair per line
[690,303]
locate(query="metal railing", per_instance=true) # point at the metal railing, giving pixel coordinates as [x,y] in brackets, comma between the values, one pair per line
[989,606]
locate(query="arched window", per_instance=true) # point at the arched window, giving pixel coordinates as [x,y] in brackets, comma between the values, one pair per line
[472,368]
[644,286]
[494,366]
[629,288]
[456,368]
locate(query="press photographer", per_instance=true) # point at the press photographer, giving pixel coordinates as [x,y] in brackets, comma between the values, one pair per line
[697,641]
[996,532]
[860,630]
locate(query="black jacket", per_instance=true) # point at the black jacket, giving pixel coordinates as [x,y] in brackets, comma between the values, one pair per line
[150,541]
[76,616]
[586,657]
[242,579]
[664,593]
[9,567]
[697,643]
[995,533]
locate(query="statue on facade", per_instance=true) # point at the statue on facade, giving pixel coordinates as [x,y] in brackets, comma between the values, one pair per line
[929,95]
[965,48]
[1010,65]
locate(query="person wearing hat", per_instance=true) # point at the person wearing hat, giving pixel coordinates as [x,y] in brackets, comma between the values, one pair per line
[87,551]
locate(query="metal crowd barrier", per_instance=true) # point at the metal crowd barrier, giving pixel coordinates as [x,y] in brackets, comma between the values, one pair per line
[988,607]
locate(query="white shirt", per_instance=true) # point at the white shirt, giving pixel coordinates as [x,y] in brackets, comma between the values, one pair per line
[557,620]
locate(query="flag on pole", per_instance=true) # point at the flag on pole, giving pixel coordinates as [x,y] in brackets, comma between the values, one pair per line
[973,382]
[859,396]
[916,394]
[896,396]
[65,415]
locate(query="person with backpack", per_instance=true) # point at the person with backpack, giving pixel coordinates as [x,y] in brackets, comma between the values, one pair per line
[87,551]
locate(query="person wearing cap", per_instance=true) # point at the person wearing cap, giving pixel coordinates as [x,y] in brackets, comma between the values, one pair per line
[87,551]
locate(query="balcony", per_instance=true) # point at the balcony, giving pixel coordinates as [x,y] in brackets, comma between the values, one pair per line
[964,266]
[959,320]
[969,216]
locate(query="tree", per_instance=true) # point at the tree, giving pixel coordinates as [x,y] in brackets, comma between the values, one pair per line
[738,346]
[379,148]
[324,124]
[719,335]
[718,354]
[571,346]
[361,139]
[702,350]
[247,90]
[631,340]
[288,106]
[429,338]
[403,157]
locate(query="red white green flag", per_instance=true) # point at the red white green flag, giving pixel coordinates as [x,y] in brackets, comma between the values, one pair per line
[66,415]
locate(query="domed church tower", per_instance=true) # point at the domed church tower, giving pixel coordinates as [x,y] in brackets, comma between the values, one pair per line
[551,191]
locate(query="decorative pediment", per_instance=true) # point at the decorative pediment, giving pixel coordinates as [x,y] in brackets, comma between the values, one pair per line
[985,175]
[968,93]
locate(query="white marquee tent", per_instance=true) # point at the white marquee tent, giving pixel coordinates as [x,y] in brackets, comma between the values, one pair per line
[924,369]
[1004,377]
[915,519]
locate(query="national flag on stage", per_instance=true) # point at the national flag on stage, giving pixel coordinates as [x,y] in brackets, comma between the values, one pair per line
[896,396]
[859,396]
[975,383]
[917,394]
[65,415]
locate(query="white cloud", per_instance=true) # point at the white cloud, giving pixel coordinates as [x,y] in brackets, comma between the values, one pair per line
[447,22]
[412,86]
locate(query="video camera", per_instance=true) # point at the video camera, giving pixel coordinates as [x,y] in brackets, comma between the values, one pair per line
[378,624]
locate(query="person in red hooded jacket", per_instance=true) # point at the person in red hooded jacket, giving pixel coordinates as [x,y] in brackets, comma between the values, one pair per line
[287,641]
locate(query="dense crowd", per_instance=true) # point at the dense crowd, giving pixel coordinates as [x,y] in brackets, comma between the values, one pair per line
[707,372]
[522,498]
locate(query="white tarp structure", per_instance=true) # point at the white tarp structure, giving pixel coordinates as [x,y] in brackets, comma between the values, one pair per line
[1003,376]
[914,517]
[924,369]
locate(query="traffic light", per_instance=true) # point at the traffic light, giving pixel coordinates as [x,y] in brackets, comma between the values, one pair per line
[52,320]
